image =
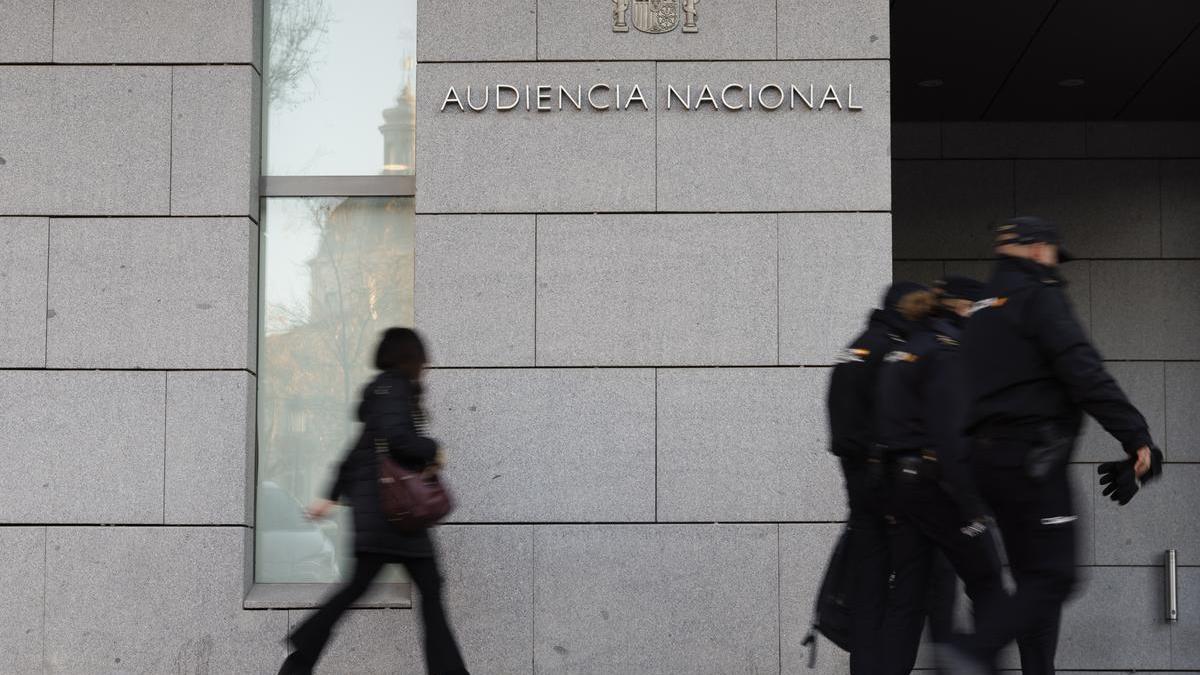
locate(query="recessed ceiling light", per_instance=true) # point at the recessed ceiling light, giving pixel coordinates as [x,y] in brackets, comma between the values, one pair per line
[1072,82]
[930,84]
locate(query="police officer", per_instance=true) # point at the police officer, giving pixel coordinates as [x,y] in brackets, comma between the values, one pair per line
[851,404]
[933,505]
[1033,373]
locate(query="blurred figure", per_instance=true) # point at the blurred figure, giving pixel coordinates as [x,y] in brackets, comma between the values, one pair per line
[934,506]
[1033,373]
[851,403]
[390,408]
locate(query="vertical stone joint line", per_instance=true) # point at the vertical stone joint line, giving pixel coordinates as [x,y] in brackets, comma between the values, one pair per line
[656,445]
[53,27]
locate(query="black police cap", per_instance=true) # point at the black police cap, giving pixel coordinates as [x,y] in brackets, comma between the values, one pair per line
[954,287]
[1031,230]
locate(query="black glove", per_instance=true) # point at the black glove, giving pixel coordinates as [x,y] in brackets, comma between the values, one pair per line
[1119,481]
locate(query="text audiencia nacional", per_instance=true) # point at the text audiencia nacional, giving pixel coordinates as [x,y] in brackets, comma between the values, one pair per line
[602,96]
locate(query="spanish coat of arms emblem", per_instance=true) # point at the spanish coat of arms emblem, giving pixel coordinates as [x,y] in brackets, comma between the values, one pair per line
[655,16]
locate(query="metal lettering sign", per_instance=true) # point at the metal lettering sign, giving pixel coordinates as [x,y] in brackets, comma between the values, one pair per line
[654,16]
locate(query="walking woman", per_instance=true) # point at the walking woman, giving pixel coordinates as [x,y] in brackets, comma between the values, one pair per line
[390,410]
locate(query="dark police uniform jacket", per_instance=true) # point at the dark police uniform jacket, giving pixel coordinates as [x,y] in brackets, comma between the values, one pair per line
[1032,370]
[851,396]
[922,407]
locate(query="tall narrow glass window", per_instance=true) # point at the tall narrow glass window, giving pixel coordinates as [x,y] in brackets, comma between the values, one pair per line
[336,255]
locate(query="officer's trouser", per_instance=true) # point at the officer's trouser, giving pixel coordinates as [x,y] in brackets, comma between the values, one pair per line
[869,560]
[1037,521]
[940,600]
[926,519]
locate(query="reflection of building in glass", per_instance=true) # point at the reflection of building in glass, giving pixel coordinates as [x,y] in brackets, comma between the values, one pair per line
[360,282]
[399,128]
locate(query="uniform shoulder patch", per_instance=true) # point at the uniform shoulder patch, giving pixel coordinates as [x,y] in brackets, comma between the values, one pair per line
[988,302]
[852,355]
[901,357]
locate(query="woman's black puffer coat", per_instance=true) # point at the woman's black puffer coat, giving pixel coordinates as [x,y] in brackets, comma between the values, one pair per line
[386,411]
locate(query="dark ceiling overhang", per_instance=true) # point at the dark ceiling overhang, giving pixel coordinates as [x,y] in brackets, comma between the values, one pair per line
[1028,60]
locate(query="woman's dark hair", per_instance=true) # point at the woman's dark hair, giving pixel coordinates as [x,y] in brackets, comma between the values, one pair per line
[401,349]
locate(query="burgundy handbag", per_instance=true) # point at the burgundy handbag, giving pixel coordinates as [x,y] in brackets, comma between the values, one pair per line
[410,499]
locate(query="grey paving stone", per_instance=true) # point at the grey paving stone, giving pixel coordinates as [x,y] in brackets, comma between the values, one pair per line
[155,31]
[781,160]
[215,141]
[1143,139]
[745,444]
[370,641]
[100,135]
[656,599]
[946,209]
[833,29]
[26,36]
[916,140]
[23,251]
[489,594]
[474,296]
[210,448]
[153,293]
[1185,635]
[540,445]
[1146,309]
[558,161]
[831,267]
[804,552]
[154,600]
[571,30]
[1143,383]
[89,444]
[1116,622]
[1104,208]
[995,140]
[1182,439]
[23,578]
[1181,208]
[1085,483]
[657,290]
[462,30]
[1161,516]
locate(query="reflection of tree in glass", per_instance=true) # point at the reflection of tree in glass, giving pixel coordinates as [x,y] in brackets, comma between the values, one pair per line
[360,282]
[295,31]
